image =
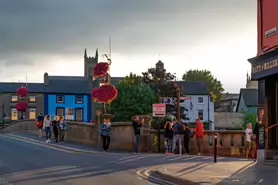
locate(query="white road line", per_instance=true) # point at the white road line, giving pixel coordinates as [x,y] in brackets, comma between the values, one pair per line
[134,159]
[189,158]
[176,158]
[259,182]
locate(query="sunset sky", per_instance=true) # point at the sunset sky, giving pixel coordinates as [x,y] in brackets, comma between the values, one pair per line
[38,36]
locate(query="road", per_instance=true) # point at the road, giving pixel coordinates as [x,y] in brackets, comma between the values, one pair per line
[23,163]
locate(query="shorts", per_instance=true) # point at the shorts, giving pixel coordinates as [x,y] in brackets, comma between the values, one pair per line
[250,145]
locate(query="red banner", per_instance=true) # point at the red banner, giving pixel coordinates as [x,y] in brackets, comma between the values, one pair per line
[267,25]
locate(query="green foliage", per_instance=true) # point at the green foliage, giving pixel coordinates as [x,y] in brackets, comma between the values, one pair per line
[156,121]
[132,79]
[249,117]
[133,99]
[214,86]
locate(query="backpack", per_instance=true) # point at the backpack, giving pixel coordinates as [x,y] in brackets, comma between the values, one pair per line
[180,129]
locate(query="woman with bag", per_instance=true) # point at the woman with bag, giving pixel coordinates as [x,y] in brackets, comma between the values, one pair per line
[62,127]
[40,124]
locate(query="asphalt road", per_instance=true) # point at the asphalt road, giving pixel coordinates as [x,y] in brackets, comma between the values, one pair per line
[24,163]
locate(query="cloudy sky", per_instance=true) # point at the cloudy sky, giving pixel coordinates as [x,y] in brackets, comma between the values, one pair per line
[50,35]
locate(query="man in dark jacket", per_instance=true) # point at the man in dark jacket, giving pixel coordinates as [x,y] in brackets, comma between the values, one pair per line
[187,137]
[137,131]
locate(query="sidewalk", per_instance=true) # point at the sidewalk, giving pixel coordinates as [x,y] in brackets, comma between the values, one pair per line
[201,173]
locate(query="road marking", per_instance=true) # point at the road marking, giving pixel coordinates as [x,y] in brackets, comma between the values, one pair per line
[40,144]
[260,181]
[189,158]
[133,159]
[176,158]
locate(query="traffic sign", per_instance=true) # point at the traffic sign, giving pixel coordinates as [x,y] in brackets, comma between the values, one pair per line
[168,100]
[159,110]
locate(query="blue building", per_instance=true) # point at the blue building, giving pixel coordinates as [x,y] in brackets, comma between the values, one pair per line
[68,96]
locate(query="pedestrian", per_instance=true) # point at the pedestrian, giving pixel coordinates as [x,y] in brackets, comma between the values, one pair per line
[250,141]
[187,136]
[199,135]
[61,129]
[178,132]
[105,133]
[168,134]
[39,120]
[54,127]
[137,132]
[47,128]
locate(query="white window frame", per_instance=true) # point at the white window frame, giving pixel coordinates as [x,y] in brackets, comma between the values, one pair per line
[79,99]
[198,102]
[201,118]
[13,96]
[12,111]
[32,110]
[60,96]
[33,96]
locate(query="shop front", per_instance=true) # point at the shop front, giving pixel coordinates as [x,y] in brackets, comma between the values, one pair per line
[265,71]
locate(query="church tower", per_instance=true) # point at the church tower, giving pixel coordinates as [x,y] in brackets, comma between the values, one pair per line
[89,64]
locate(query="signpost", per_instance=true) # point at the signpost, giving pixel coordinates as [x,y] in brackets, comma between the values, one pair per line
[168,100]
[159,110]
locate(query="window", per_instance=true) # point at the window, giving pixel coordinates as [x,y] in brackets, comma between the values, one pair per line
[32,99]
[79,114]
[201,114]
[200,100]
[32,114]
[14,98]
[60,111]
[60,99]
[14,114]
[79,99]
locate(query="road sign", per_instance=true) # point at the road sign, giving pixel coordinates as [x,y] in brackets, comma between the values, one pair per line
[168,100]
[159,110]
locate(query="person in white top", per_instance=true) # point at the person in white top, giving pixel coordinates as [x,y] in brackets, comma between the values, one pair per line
[250,143]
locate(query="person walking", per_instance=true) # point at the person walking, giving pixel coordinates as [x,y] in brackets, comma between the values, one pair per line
[47,128]
[168,134]
[54,127]
[137,132]
[39,120]
[105,133]
[187,136]
[199,135]
[178,131]
[250,141]
[61,129]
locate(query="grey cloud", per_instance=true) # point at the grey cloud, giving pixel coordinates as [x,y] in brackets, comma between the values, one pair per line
[65,27]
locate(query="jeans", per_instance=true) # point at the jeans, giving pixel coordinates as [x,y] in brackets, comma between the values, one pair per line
[105,142]
[137,143]
[47,133]
[169,143]
[177,138]
[187,145]
[61,135]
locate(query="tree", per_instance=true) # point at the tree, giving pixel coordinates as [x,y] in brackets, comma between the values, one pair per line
[132,79]
[133,99]
[215,87]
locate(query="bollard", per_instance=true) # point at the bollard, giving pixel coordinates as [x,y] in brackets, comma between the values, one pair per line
[215,147]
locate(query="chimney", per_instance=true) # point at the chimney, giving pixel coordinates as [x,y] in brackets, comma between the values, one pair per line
[45,78]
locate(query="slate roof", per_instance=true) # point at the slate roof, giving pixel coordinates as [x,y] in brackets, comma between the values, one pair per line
[68,84]
[194,88]
[9,87]
[250,97]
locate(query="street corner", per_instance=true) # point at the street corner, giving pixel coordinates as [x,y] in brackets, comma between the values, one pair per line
[54,146]
[195,173]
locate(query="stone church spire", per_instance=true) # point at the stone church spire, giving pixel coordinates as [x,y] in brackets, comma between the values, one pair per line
[85,53]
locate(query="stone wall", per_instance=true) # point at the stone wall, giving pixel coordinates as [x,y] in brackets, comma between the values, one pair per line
[230,143]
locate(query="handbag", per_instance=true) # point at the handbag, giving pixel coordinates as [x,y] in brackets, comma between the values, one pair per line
[66,128]
[253,137]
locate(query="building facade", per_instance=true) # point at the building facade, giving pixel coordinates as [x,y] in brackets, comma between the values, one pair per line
[228,103]
[198,103]
[9,98]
